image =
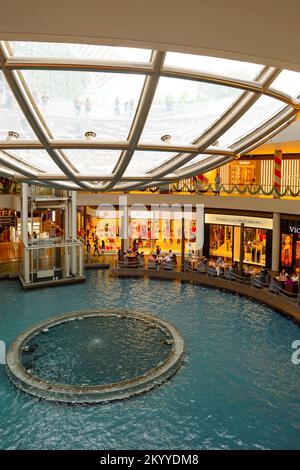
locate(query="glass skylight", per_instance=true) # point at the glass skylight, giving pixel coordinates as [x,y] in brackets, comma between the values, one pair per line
[126,108]
[197,159]
[79,51]
[184,109]
[214,65]
[101,162]
[11,116]
[288,82]
[143,162]
[74,102]
[262,110]
[37,158]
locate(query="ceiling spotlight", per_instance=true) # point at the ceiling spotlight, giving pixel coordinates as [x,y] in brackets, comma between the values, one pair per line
[90,135]
[12,135]
[236,156]
[166,138]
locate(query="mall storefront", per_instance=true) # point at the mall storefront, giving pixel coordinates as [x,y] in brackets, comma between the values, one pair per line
[9,246]
[289,244]
[145,228]
[222,237]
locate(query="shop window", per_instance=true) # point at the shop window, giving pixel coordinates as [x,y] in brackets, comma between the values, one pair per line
[286,250]
[297,260]
[221,241]
[255,241]
[255,246]
[243,174]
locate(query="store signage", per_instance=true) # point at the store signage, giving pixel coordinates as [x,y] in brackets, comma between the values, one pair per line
[161,214]
[141,214]
[253,222]
[294,229]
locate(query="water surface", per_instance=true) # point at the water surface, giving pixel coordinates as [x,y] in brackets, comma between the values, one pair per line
[237,389]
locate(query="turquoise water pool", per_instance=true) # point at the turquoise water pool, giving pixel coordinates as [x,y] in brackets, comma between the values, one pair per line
[237,388]
[96,351]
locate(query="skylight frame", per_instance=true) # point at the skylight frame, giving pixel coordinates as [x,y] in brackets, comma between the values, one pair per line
[179,165]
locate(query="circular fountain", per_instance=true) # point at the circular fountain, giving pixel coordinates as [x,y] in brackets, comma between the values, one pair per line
[108,355]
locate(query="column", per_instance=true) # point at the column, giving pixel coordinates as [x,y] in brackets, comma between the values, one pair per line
[241,249]
[182,244]
[74,231]
[124,223]
[80,254]
[277,173]
[66,250]
[24,230]
[276,242]
[199,228]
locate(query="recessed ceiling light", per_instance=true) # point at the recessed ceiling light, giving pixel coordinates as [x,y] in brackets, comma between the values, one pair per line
[166,138]
[90,135]
[12,135]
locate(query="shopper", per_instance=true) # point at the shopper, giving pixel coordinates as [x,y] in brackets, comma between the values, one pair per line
[88,248]
[96,250]
[217,184]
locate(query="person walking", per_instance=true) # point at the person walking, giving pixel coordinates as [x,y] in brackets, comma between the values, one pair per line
[217,184]
[96,249]
[88,250]
[102,247]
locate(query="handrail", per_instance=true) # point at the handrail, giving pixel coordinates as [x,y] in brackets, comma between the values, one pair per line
[195,186]
[230,276]
[279,291]
[236,277]
[256,282]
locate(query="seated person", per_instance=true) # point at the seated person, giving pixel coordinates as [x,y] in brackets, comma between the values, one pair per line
[289,284]
[219,269]
[202,262]
[283,273]
[263,275]
[167,259]
[220,261]
[294,277]
[263,271]
[246,272]
[233,267]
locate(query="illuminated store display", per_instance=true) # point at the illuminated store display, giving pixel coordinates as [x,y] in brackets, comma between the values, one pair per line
[224,239]
[290,244]
[145,229]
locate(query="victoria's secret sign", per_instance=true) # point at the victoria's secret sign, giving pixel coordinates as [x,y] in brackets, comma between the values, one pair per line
[290,226]
[294,229]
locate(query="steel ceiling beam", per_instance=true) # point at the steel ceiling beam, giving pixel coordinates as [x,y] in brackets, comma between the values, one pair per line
[144,68]
[231,115]
[32,118]
[152,71]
